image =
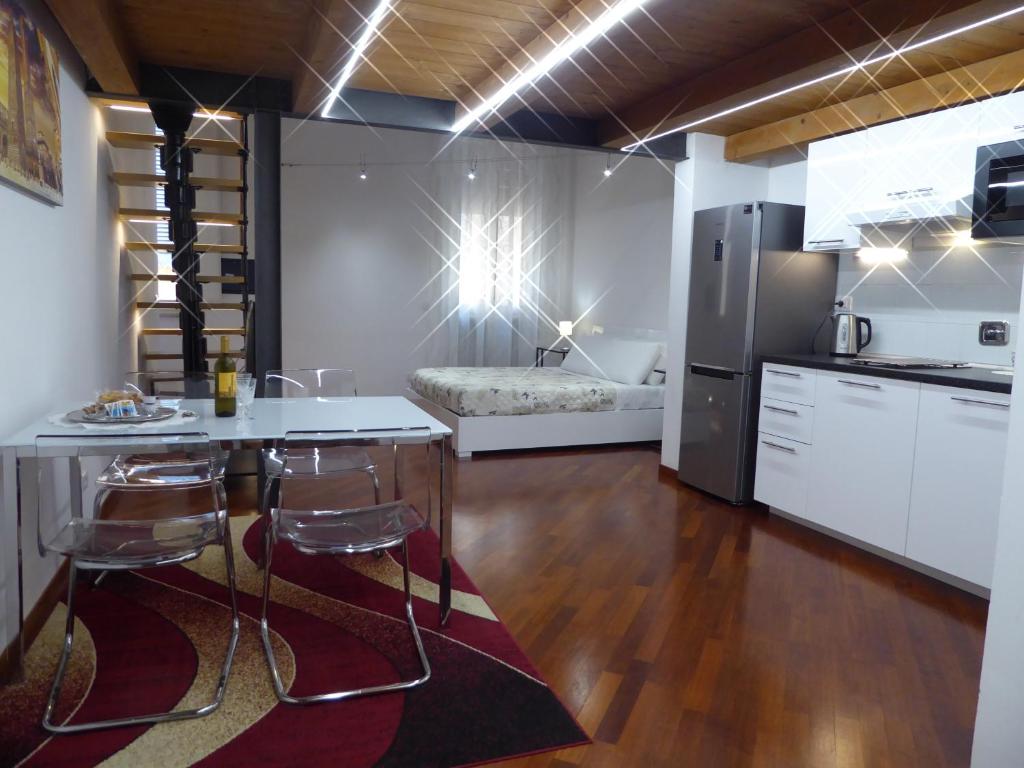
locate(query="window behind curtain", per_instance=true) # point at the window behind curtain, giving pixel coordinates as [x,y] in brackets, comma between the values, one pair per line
[490,261]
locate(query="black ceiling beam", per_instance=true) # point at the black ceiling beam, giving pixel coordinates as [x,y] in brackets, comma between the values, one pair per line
[211,89]
[392,110]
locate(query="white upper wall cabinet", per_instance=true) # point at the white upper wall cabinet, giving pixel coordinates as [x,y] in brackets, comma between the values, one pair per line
[918,167]
[834,176]
[1002,119]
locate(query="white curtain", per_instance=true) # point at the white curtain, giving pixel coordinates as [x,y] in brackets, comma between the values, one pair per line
[502,244]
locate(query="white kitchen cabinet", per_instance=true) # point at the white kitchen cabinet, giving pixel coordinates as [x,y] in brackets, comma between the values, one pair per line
[789,383]
[917,167]
[788,420]
[783,468]
[835,176]
[958,481]
[863,458]
[1002,119]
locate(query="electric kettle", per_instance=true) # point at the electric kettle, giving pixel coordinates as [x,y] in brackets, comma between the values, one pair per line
[847,340]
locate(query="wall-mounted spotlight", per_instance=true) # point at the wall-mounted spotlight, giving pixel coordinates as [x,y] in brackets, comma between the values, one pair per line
[608,170]
[362,167]
[471,175]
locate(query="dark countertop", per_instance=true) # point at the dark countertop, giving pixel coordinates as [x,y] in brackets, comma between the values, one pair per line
[965,378]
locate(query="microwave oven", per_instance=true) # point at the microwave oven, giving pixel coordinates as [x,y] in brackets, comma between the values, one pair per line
[998,207]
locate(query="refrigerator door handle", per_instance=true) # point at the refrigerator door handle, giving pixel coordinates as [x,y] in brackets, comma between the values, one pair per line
[713,371]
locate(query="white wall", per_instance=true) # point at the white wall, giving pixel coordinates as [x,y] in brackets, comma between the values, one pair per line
[357,254]
[353,257]
[998,736]
[65,329]
[931,304]
[622,244]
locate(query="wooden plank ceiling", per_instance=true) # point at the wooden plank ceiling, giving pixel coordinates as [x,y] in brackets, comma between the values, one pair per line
[671,63]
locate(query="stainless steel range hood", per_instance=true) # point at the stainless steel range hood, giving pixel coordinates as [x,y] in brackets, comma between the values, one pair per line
[915,208]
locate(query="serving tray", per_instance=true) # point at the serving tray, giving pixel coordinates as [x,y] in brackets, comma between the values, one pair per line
[158,413]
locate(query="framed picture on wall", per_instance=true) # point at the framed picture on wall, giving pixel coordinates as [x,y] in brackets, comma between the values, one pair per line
[30,139]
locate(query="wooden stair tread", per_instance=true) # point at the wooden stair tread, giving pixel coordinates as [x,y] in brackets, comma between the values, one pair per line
[140,245]
[132,140]
[144,305]
[153,214]
[237,354]
[206,331]
[157,180]
[233,279]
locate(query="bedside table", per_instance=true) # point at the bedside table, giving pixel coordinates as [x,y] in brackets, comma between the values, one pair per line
[543,351]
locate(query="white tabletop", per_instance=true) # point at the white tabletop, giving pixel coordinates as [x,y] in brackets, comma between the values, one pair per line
[272,418]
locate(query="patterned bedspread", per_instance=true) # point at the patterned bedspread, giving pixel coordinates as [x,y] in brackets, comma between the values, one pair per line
[512,391]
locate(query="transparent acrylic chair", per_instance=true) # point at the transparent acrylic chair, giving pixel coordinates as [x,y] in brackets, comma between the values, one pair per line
[149,530]
[311,524]
[166,468]
[314,382]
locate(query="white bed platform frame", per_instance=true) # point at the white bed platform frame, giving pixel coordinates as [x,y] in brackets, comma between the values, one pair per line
[544,430]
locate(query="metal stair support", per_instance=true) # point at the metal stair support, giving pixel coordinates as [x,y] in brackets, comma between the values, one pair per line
[177,151]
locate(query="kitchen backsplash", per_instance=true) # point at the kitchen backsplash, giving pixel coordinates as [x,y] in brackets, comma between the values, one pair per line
[930,304]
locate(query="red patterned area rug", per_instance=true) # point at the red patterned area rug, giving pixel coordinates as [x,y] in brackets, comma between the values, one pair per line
[155,640]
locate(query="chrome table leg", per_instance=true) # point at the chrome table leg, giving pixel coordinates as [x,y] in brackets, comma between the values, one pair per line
[445,586]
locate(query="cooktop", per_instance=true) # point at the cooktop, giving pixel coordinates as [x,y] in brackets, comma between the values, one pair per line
[904,362]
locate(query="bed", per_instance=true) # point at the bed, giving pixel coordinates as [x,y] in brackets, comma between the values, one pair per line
[593,398]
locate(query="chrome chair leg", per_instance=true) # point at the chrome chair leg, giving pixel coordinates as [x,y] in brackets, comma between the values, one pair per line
[372,472]
[275,675]
[160,717]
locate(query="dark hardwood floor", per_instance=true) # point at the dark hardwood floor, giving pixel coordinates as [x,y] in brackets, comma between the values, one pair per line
[685,632]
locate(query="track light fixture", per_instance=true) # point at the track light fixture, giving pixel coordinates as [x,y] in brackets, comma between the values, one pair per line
[608,171]
[472,170]
[362,167]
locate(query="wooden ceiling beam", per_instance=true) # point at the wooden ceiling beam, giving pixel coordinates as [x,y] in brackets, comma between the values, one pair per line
[547,38]
[95,30]
[330,34]
[980,80]
[809,53]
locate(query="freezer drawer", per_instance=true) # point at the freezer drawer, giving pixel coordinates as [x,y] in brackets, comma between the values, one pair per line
[715,453]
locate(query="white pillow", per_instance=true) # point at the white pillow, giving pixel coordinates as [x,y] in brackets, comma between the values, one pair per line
[622,360]
[657,376]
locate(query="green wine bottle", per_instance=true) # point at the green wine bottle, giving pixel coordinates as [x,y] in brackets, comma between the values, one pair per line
[225,391]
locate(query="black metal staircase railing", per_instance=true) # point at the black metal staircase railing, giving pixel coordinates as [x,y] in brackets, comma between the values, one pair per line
[180,199]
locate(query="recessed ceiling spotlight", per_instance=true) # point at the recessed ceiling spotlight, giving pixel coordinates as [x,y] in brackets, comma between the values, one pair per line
[612,15]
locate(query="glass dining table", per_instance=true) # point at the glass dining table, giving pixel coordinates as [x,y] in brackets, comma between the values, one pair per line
[271,419]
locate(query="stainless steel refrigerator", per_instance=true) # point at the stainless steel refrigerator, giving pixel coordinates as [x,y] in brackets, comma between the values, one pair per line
[752,292]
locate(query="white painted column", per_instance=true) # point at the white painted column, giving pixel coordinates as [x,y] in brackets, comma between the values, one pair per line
[998,735]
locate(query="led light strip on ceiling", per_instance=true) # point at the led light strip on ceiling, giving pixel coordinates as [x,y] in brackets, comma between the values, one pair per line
[574,42]
[200,113]
[372,23]
[823,78]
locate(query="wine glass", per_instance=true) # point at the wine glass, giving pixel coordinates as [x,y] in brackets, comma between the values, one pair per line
[246,385]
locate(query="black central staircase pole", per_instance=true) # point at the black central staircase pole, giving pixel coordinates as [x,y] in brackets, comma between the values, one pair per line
[180,198]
